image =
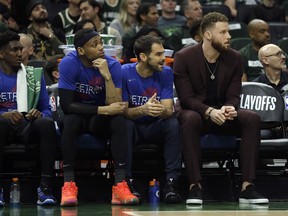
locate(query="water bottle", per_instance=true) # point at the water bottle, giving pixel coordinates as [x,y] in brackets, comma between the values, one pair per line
[15,192]
[154,191]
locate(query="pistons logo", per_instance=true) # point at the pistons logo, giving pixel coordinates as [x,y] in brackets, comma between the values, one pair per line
[53,103]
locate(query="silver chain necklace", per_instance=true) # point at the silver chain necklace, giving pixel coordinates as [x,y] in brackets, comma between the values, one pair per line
[212,76]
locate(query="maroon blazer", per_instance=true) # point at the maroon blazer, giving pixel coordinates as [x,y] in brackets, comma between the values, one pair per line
[190,78]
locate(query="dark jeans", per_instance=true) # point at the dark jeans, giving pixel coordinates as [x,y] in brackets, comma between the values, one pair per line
[165,132]
[39,131]
[246,125]
[101,126]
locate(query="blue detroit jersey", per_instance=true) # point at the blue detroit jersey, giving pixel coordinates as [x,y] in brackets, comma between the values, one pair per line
[87,82]
[8,95]
[137,90]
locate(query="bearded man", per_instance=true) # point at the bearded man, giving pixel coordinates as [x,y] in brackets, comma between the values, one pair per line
[147,91]
[207,78]
[46,40]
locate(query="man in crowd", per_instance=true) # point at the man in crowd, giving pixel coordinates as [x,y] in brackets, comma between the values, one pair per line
[51,69]
[147,15]
[92,10]
[46,40]
[259,33]
[192,10]
[273,60]
[170,23]
[28,49]
[66,19]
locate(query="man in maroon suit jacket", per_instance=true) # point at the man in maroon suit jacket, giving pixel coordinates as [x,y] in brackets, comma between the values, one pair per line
[208,82]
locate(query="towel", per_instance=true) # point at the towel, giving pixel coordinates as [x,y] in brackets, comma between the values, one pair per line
[28,87]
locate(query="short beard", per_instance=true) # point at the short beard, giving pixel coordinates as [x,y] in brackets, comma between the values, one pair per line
[261,43]
[154,68]
[41,20]
[217,46]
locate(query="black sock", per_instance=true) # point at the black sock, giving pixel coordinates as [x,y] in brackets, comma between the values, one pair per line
[46,179]
[119,175]
[69,174]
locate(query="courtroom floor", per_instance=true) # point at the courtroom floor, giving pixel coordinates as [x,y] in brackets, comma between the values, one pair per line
[105,209]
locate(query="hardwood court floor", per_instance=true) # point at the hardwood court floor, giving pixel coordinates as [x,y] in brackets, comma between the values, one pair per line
[208,209]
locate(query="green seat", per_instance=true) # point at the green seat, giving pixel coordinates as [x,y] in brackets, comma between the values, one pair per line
[278,31]
[283,44]
[238,43]
[238,29]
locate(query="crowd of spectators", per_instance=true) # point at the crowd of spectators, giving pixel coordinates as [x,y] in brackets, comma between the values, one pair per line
[123,19]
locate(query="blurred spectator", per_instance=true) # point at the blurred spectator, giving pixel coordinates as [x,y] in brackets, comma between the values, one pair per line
[268,11]
[28,49]
[5,6]
[46,40]
[91,10]
[195,33]
[127,16]
[111,10]
[18,13]
[10,22]
[171,24]
[258,31]
[230,4]
[3,26]
[51,68]
[6,17]
[84,23]
[145,30]
[147,15]
[66,19]
[192,10]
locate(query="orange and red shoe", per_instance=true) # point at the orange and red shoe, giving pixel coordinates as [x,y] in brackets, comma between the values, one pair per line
[121,195]
[69,194]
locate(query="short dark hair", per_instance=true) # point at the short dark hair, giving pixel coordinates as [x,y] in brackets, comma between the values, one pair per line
[143,9]
[144,44]
[79,25]
[195,28]
[7,36]
[210,20]
[185,5]
[94,4]
[52,65]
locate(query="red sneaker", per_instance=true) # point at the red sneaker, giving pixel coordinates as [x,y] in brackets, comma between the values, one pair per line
[69,194]
[121,195]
